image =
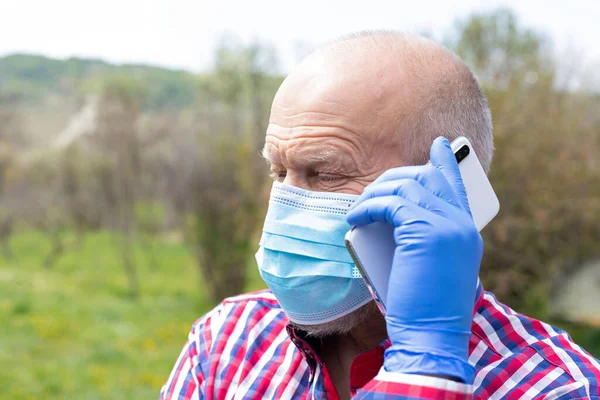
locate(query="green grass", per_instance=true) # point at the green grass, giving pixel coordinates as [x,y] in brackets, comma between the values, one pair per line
[72,332]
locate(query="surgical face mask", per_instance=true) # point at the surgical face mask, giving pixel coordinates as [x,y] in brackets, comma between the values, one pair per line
[303,259]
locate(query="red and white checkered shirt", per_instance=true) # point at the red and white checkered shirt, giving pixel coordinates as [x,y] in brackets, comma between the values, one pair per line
[245,349]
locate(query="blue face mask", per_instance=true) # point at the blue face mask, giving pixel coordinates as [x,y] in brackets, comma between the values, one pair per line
[303,259]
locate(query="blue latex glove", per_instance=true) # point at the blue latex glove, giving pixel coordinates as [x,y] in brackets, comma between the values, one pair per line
[433,281]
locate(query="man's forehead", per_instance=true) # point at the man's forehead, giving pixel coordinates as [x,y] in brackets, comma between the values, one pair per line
[362,101]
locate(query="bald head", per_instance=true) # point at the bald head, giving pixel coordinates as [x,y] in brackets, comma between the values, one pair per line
[369,102]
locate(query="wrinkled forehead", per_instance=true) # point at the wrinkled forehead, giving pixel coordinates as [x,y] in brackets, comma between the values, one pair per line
[366,99]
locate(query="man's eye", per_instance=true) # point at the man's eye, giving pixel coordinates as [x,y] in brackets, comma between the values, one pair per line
[329,178]
[278,175]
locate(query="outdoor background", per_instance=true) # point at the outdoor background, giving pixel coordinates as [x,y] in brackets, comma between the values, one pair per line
[132,194]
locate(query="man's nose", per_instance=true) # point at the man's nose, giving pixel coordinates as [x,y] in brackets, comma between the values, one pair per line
[296,179]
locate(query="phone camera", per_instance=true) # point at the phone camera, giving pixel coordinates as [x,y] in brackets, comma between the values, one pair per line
[462,153]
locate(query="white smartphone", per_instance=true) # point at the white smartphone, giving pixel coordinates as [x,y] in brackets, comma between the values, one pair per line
[372,246]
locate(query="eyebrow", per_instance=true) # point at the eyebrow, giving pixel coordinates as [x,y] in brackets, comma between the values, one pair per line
[266,155]
[322,156]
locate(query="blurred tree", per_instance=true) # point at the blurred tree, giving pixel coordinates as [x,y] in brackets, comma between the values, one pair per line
[74,205]
[227,189]
[116,136]
[10,138]
[121,140]
[499,49]
[38,201]
[79,189]
[545,170]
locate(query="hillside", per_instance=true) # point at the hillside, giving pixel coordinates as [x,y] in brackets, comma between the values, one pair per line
[35,80]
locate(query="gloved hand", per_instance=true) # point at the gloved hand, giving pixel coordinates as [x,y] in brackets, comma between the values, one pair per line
[433,280]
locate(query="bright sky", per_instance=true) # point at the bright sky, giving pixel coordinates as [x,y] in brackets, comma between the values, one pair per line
[183,33]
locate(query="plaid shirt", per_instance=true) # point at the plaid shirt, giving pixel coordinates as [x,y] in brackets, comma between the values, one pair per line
[245,349]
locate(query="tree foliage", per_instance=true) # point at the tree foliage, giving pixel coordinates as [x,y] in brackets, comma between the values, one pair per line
[227,189]
[545,168]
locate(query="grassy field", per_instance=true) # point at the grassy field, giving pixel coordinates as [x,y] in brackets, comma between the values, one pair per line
[72,332]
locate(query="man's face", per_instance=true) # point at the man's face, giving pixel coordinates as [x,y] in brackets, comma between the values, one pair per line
[333,125]
[334,128]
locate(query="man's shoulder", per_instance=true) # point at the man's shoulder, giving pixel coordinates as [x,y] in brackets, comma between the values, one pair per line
[263,297]
[243,311]
[507,343]
[507,331]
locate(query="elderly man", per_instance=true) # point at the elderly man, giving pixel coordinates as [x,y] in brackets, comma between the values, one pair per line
[368,104]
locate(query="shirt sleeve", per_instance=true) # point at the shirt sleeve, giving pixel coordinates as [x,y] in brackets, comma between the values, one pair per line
[397,386]
[186,379]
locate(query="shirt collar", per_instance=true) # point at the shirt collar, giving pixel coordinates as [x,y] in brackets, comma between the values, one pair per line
[305,344]
[366,365]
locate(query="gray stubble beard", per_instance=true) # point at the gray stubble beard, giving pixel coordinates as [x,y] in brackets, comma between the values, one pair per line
[343,325]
